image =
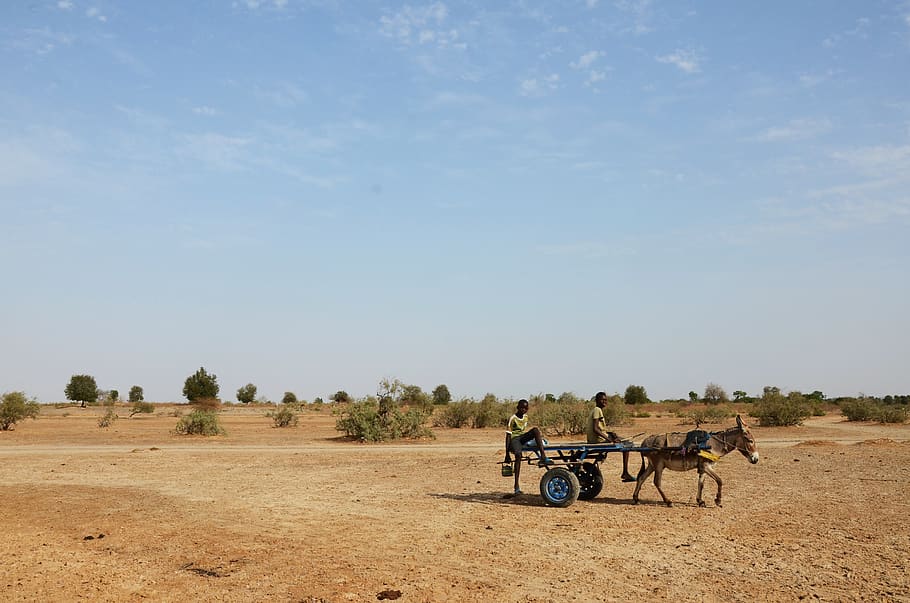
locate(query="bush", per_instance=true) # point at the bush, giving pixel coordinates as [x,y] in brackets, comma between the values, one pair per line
[708,414]
[108,419]
[283,417]
[140,407]
[289,398]
[774,409]
[455,414]
[892,414]
[375,420]
[211,404]
[199,422]
[136,394]
[247,393]
[14,407]
[441,394]
[200,385]
[859,409]
[636,394]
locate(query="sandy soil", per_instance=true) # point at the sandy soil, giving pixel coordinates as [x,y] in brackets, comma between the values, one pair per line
[134,512]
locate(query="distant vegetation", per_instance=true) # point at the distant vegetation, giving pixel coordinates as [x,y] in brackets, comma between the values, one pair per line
[200,385]
[83,389]
[15,407]
[199,422]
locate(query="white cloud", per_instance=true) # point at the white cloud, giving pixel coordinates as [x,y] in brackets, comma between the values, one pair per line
[594,77]
[591,3]
[539,86]
[420,25]
[215,150]
[796,129]
[65,5]
[255,4]
[886,160]
[686,60]
[95,13]
[586,60]
[205,110]
[641,13]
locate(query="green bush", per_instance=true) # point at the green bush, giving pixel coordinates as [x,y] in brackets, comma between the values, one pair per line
[859,409]
[140,407]
[136,394]
[199,422]
[283,417]
[289,398]
[489,412]
[715,413]
[892,414]
[14,407]
[774,409]
[247,393]
[455,414]
[372,420]
[108,419]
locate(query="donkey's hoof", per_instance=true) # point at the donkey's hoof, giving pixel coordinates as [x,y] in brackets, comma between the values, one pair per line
[669,504]
[717,502]
[702,503]
[634,501]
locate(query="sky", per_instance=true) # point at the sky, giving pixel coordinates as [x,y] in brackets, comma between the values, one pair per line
[512,197]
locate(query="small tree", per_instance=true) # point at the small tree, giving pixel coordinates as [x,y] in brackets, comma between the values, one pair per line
[341,396]
[715,394]
[289,398]
[740,396]
[200,385]
[693,397]
[136,394]
[140,407]
[636,394]
[14,407]
[247,393]
[82,388]
[441,394]
[114,395]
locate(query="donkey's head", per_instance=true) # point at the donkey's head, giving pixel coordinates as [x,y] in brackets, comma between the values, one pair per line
[745,442]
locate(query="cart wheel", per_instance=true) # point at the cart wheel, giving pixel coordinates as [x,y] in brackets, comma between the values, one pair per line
[590,479]
[559,487]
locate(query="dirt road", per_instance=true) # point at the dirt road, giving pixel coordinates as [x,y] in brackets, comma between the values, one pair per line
[134,512]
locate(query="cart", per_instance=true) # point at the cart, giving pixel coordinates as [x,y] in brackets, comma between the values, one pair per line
[575,470]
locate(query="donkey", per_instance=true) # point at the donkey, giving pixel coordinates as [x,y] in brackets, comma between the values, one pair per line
[668,451]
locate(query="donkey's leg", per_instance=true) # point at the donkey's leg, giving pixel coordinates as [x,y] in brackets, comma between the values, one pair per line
[701,485]
[709,469]
[643,474]
[658,472]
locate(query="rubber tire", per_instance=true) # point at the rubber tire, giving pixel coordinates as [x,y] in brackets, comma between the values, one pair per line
[559,487]
[590,479]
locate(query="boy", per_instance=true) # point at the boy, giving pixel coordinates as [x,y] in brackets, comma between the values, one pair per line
[596,432]
[518,435]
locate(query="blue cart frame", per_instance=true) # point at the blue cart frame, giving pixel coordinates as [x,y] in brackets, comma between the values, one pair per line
[575,472]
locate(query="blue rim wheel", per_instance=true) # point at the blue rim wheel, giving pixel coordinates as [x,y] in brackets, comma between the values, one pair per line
[559,487]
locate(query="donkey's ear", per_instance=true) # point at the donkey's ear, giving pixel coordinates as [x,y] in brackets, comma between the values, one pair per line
[739,421]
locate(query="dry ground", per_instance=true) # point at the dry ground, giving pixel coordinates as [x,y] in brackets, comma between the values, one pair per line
[134,512]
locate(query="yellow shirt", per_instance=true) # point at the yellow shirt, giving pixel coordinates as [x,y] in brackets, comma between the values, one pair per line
[518,425]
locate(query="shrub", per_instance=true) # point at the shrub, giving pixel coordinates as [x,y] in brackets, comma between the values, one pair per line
[441,394]
[136,394]
[200,385]
[283,417]
[715,394]
[199,422]
[211,404]
[489,412]
[140,407]
[775,409]
[891,414]
[455,414]
[108,419]
[14,407]
[341,396]
[247,393]
[289,398]
[859,409]
[636,394]
[709,414]
[375,420]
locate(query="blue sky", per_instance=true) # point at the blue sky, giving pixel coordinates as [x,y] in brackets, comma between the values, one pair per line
[509,197]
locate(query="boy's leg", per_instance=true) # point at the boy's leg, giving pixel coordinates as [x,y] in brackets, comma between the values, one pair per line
[626,476]
[508,458]
[543,455]
[517,470]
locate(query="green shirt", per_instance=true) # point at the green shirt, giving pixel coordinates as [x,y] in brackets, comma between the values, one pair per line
[594,417]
